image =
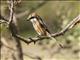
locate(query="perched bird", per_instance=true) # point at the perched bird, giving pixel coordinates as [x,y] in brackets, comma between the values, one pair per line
[39,25]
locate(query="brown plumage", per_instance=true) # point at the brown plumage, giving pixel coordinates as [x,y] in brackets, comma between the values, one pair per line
[38,24]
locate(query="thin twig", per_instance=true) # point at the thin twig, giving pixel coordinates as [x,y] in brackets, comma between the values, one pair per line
[11,8]
[68,27]
[27,12]
[3,18]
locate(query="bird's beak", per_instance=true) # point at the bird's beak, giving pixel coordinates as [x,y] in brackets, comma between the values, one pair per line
[27,19]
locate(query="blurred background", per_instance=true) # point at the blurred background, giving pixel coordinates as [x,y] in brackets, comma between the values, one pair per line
[56,15]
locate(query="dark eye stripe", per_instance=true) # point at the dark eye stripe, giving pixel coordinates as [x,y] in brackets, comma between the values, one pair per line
[33,17]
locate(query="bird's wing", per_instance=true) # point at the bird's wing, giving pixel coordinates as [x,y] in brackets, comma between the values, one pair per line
[43,24]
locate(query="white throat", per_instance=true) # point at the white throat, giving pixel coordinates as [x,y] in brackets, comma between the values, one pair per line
[33,20]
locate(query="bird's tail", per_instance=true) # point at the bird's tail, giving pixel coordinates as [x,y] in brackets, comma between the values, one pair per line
[52,38]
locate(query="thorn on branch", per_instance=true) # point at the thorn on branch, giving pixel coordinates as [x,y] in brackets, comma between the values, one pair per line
[34,41]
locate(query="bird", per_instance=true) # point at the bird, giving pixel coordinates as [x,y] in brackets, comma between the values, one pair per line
[39,25]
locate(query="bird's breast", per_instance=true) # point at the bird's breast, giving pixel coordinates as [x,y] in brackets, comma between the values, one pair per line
[37,26]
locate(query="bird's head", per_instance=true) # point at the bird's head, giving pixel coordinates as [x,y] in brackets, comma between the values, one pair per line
[32,16]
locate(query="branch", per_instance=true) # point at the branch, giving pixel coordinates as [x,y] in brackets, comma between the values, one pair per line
[30,40]
[11,8]
[13,30]
[27,12]
[35,39]
[68,27]
[3,18]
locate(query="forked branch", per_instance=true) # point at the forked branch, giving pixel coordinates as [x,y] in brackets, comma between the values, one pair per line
[39,38]
[35,39]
